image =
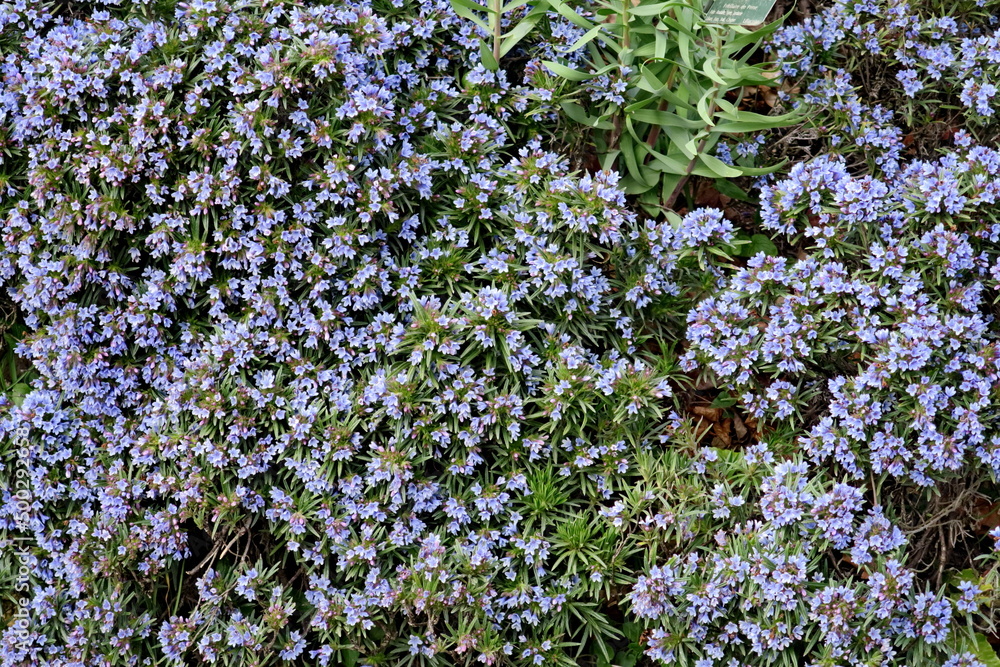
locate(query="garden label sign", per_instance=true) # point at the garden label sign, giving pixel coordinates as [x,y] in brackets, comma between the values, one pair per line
[738,12]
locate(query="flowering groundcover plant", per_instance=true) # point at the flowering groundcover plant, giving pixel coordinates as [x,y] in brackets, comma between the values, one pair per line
[338,360]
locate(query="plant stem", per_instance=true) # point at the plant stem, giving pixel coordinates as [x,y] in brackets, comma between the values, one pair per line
[497,35]
[625,19]
[654,132]
[672,199]
[616,133]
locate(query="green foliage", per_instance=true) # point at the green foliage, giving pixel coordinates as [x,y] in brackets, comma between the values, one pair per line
[683,85]
[501,43]
[15,373]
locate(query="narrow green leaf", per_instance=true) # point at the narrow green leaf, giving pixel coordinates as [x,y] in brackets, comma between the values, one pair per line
[731,190]
[567,72]
[726,106]
[705,108]
[760,171]
[587,37]
[683,140]
[644,52]
[716,167]
[630,186]
[655,117]
[745,76]
[641,104]
[684,48]
[634,153]
[667,164]
[650,83]
[755,36]
[760,121]
[514,4]
[568,13]
[709,70]
[580,115]
[464,8]
[467,5]
[608,159]
[724,401]
[653,10]
[486,54]
[678,27]
[520,31]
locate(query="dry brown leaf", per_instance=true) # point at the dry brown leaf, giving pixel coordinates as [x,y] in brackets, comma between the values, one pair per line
[722,431]
[769,95]
[711,414]
[705,194]
[989,515]
[739,427]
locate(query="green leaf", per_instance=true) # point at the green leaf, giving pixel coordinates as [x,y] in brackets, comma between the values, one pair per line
[569,14]
[759,171]
[709,69]
[579,114]
[608,159]
[651,84]
[731,190]
[464,8]
[684,48]
[745,76]
[587,37]
[521,29]
[662,118]
[349,657]
[18,392]
[634,153]
[761,244]
[678,27]
[630,186]
[726,105]
[667,164]
[968,574]
[641,104]
[715,167]
[660,44]
[747,121]
[748,37]
[984,651]
[669,183]
[705,105]
[625,659]
[653,10]
[486,54]
[683,140]
[724,401]
[567,72]
[514,4]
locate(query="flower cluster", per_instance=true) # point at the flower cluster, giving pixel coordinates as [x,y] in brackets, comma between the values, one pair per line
[318,321]
[933,55]
[889,290]
[335,359]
